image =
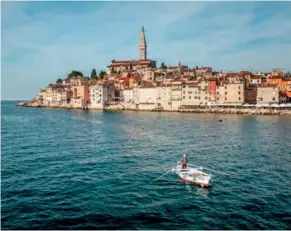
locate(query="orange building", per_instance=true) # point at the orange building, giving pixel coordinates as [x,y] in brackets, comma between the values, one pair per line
[80,97]
[212,89]
[283,84]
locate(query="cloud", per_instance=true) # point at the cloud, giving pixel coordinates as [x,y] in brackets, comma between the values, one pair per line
[42,41]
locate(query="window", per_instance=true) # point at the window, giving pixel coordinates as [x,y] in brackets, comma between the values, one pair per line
[217,98]
[239,92]
[225,87]
[238,87]
[238,98]
[261,99]
[189,97]
[184,86]
[206,97]
[225,98]
[189,92]
[184,92]
[183,97]
[225,93]
[195,97]
[273,98]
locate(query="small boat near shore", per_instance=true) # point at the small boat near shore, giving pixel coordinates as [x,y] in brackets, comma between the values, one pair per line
[192,175]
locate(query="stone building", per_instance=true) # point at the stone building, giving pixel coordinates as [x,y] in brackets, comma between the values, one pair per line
[142,63]
[267,94]
[231,92]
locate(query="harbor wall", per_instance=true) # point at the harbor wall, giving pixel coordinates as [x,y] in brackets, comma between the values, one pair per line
[214,110]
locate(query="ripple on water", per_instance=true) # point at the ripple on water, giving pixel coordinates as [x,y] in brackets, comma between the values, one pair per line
[70,169]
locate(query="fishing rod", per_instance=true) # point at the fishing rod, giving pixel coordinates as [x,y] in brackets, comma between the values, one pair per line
[163,175]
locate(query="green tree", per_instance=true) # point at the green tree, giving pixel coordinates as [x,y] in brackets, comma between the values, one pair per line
[93,74]
[75,73]
[59,81]
[163,66]
[102,74]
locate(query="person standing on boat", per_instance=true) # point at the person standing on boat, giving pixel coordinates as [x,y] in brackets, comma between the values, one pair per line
[184,161]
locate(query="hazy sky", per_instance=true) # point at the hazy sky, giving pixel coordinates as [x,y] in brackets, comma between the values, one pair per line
[43,41]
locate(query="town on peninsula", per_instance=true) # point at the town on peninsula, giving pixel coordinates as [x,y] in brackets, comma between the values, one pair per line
[141,85]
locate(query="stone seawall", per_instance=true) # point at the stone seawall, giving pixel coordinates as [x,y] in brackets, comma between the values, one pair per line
[215,110]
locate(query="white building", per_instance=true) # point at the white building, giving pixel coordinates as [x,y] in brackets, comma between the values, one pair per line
[97,96]
[127,96]
[176,97]
[164,100]
[146,98]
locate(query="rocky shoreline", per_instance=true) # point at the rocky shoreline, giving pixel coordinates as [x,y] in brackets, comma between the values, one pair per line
[214,110]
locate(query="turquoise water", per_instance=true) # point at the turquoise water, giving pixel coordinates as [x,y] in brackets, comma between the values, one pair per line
[72,169]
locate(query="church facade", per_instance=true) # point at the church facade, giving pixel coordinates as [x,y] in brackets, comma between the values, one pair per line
[135,65]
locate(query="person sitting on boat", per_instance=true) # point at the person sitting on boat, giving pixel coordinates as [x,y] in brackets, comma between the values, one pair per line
[184,161]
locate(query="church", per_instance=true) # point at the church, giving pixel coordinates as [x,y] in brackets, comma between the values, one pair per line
[135,65]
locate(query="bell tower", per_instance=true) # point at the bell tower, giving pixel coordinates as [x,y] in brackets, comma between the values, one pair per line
[142,46]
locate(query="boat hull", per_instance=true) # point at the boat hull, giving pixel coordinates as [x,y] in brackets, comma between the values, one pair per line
[192,181]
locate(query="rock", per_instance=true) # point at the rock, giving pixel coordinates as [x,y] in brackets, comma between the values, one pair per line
[21,104]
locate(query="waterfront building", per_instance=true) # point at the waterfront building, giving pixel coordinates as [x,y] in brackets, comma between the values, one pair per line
[199,93]
[80,97]
[66,95]
[147,96]
[212,83]
[190,95]
[267,94]
[176,90]
[284,87]
[164,100]
[251,94]
[231,92]
[142,63]
[126,96]
[97,96]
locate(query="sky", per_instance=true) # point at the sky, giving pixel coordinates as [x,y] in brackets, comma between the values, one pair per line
[44,41]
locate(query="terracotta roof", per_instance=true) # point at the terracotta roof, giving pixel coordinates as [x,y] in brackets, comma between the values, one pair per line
[211,79]
[233,75]
[267,85]
[275,77]
[245,72]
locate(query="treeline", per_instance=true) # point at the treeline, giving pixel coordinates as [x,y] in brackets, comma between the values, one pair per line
[76,73]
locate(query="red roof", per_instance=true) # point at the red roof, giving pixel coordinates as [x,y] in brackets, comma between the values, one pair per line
[275,77]
[233,75]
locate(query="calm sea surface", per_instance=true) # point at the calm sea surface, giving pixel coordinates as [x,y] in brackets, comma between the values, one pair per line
[73,169]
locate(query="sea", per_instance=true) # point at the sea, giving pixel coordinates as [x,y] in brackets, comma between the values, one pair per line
[75,169]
